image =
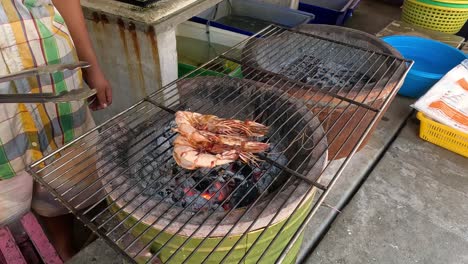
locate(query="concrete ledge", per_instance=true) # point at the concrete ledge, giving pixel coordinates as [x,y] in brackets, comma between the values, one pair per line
[163,14]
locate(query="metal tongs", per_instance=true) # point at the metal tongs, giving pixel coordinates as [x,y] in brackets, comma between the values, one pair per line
[73,95]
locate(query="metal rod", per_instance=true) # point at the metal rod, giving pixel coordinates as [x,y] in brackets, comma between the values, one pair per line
[167,109]
[293,173]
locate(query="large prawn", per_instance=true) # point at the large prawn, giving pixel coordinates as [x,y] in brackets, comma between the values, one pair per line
[198,145]
[205,139]
[222,126]
[191,156]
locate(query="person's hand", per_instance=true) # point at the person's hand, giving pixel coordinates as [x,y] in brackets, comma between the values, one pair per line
[95,79]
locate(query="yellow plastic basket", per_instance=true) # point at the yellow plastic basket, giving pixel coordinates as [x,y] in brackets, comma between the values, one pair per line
[442,135]
[439,18]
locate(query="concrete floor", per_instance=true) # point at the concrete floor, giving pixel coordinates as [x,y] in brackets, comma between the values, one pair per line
[355,173]
[411,207]
[372,16]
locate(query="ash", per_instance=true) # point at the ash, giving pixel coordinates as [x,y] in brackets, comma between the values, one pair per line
[158,177]
[311,70]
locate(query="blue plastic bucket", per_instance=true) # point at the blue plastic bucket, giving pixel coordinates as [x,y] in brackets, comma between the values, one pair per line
[432,60]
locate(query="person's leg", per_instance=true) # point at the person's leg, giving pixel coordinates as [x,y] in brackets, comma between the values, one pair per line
[73,175]
[60,232]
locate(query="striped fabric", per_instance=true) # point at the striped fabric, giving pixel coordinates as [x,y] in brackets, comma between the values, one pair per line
[32,33]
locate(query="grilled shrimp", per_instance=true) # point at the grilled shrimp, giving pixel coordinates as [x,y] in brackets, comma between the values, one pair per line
[190,156]
[212,142]
[223,126]
[192,135]
[206,141]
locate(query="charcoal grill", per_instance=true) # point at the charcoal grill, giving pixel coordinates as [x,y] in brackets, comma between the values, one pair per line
[362,81]
[268,228]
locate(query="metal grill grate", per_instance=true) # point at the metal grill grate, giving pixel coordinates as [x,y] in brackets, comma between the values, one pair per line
[119,178]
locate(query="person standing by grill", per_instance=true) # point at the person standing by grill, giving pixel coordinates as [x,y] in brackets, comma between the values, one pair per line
[35,33]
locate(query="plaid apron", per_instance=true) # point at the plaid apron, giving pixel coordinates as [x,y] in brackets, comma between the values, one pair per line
[32,33]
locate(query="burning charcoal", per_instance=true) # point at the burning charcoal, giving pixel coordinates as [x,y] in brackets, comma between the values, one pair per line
[241,192]
[189,182]
[219,208]
[134,170]
[229,173]
[174,171]
[241,168]
[159,178]
[203,171]
[265,181]
[150,191]
[219,191]
[197,202]
[323,74]
[239,177]
[182,192]
[163,143]
[203,184]
[165,192]
[148,169]
[154,164]
[227,206]
[246,170]
[143,184]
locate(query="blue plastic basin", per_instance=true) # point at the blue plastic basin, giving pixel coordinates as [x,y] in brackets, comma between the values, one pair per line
[432,60]
[247,17]
[329,12]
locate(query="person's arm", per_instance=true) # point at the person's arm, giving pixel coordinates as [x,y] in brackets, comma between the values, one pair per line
[73,15]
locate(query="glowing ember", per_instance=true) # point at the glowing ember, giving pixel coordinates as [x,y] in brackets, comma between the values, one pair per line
[189,192]
[207,196]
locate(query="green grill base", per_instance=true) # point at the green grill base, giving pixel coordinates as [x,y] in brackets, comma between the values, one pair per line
[222,250]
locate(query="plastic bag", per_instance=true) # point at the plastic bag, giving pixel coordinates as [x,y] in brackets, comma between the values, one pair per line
[15,197]
[447,101]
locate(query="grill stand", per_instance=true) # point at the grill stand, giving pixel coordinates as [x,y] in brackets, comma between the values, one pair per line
[142,110]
